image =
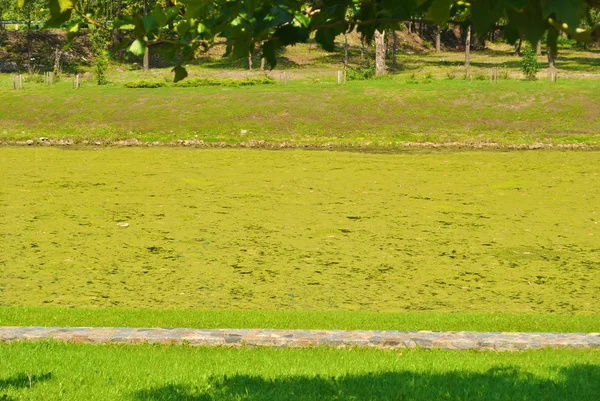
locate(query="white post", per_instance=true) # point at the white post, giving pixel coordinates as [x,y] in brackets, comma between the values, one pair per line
[339,77]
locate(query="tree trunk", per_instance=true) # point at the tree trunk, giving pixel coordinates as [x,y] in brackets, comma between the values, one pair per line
[116,33]
[518,46]
[345,50]
[250,61]
[409,26]
[438,39]
[468,47]
[262,63]
[362,47]
[379,52]
[394,49]
[551,55]
[146,62]
[539,48]
[29,40]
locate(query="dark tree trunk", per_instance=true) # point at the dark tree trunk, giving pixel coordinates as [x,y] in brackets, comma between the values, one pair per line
[438,39]
[29,44]
[394,48]
[551,57]
[518,46]
[116,33]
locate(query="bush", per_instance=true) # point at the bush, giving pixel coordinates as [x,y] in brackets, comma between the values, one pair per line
[144,84]
[360,73]
[529,63]
[99,41]
[228,82]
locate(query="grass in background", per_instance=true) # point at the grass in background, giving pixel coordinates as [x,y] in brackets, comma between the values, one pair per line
[144,372]
[304,320]
[300,230]
[380,113]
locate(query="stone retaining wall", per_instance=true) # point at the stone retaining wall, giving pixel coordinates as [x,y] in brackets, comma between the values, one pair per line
[463,340]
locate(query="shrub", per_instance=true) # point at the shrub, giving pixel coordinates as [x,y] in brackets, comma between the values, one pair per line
[34,77]
[228,82]
[451,74]
[529,63]
[360,73]
[99,42]
[144,84]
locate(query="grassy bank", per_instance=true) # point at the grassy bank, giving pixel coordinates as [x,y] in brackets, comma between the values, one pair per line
[300,231]
[380,113]
[75,372]
[324,320]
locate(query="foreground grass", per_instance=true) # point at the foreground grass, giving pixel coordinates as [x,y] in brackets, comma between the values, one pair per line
[144,372]
[255,230]
[380,113]
[334,320]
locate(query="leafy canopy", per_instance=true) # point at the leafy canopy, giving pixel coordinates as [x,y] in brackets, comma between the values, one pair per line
[186,26]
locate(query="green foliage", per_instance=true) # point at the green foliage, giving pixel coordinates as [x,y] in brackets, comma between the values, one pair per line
[232,83]
[145,84]
[529,63]
[193,25]
[360,73]
[99,41]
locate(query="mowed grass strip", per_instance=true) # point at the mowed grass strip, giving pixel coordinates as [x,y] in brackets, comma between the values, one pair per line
[145,372]
[380,113]
[300,231]
[302,320]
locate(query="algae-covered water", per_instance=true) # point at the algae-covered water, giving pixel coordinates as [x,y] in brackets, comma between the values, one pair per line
[300,230]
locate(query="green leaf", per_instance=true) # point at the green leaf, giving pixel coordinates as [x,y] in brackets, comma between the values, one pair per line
[159,16]
[439,11]
[269,49]
[183,27]
[569,12]
[66,5]
[180,73]
[326,37]
[553,39]
[138,47]
[58,16]
[290,35]
[149,22]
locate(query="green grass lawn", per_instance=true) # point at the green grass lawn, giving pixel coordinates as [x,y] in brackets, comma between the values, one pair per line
[372,114]
[303,320]
[483,232]
[148,373]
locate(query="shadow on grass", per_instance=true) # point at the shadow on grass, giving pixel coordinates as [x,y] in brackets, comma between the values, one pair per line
[22,380]
[580,382]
